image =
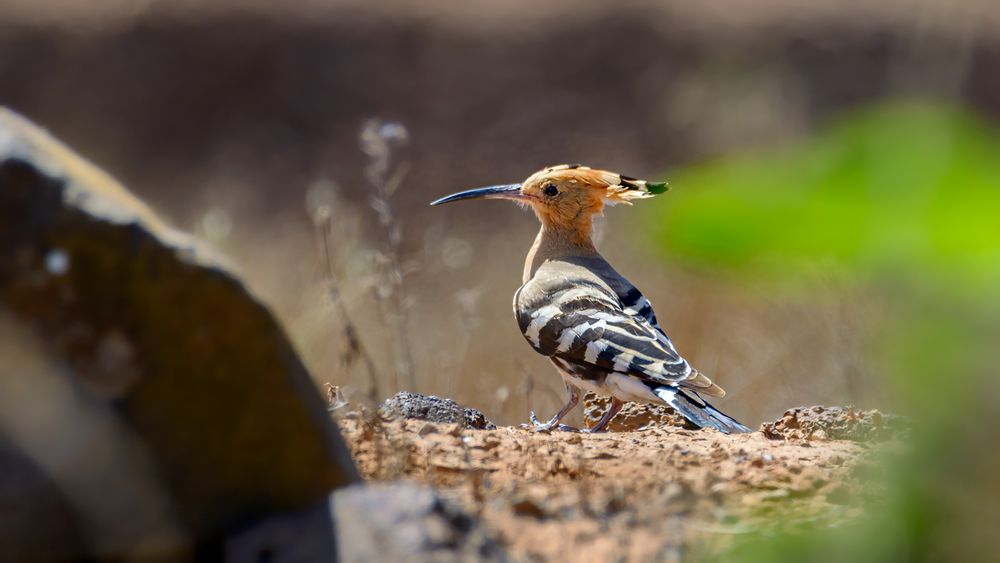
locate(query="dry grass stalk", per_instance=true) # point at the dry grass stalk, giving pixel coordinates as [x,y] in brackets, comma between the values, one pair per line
[356,351]
[377,141]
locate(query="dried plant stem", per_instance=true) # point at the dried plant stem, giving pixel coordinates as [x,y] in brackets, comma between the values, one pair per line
[378,140]
[356,348]
[404,378]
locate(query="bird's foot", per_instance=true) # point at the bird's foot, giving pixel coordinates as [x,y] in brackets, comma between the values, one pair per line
[539,426]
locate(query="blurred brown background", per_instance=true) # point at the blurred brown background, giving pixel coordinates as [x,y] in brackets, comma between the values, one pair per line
[237,121]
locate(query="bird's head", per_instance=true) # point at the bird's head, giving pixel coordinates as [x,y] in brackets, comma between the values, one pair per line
[567,195]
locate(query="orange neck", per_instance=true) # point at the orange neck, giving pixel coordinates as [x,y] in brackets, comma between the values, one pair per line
[558,241]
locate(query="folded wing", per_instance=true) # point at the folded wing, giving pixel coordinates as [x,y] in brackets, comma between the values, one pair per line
[587,325]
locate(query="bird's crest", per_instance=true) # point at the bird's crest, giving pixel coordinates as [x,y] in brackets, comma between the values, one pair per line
[618,187]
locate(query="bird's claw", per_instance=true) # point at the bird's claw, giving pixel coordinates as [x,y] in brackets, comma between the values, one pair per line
[539,426]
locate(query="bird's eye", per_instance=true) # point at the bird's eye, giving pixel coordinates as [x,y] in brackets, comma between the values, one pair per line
[551,190]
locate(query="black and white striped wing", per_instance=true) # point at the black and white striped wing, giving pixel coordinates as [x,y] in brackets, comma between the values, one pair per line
[636,305]
[587,326]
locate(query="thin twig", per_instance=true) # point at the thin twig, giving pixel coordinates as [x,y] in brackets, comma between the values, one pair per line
[356,348]
[377,139]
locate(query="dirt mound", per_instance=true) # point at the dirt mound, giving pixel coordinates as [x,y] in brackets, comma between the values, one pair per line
[835,423]
[633,416]
[629,496]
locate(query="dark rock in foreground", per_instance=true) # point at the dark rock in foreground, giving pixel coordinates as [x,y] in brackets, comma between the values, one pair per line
[406,522]
[395,521]
[137,372]
[434,409]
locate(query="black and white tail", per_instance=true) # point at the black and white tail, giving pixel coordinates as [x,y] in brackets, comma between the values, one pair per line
[691,407]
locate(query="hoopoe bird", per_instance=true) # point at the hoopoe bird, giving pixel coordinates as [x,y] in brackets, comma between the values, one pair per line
[597,328]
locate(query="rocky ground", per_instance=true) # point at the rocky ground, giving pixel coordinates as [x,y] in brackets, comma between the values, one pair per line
[657,492]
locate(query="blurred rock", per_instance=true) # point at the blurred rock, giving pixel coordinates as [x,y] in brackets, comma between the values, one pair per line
[434,409]
[145,337]
[34,513]
[296,537]
[836,423]
[406,522]
[633,416]
[396,521]
[76,445]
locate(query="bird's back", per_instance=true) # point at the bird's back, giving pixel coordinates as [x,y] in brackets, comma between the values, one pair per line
[554,282]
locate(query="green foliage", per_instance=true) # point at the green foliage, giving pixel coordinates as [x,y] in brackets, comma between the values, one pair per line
[895,190]
[903,198]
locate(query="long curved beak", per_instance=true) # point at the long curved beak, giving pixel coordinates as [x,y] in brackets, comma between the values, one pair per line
[506,191]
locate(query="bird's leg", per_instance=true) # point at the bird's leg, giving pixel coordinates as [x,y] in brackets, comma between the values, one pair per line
[616,405]
[537,425]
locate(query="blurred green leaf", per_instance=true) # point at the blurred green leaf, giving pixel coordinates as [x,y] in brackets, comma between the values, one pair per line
[904,197]
[903,189]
